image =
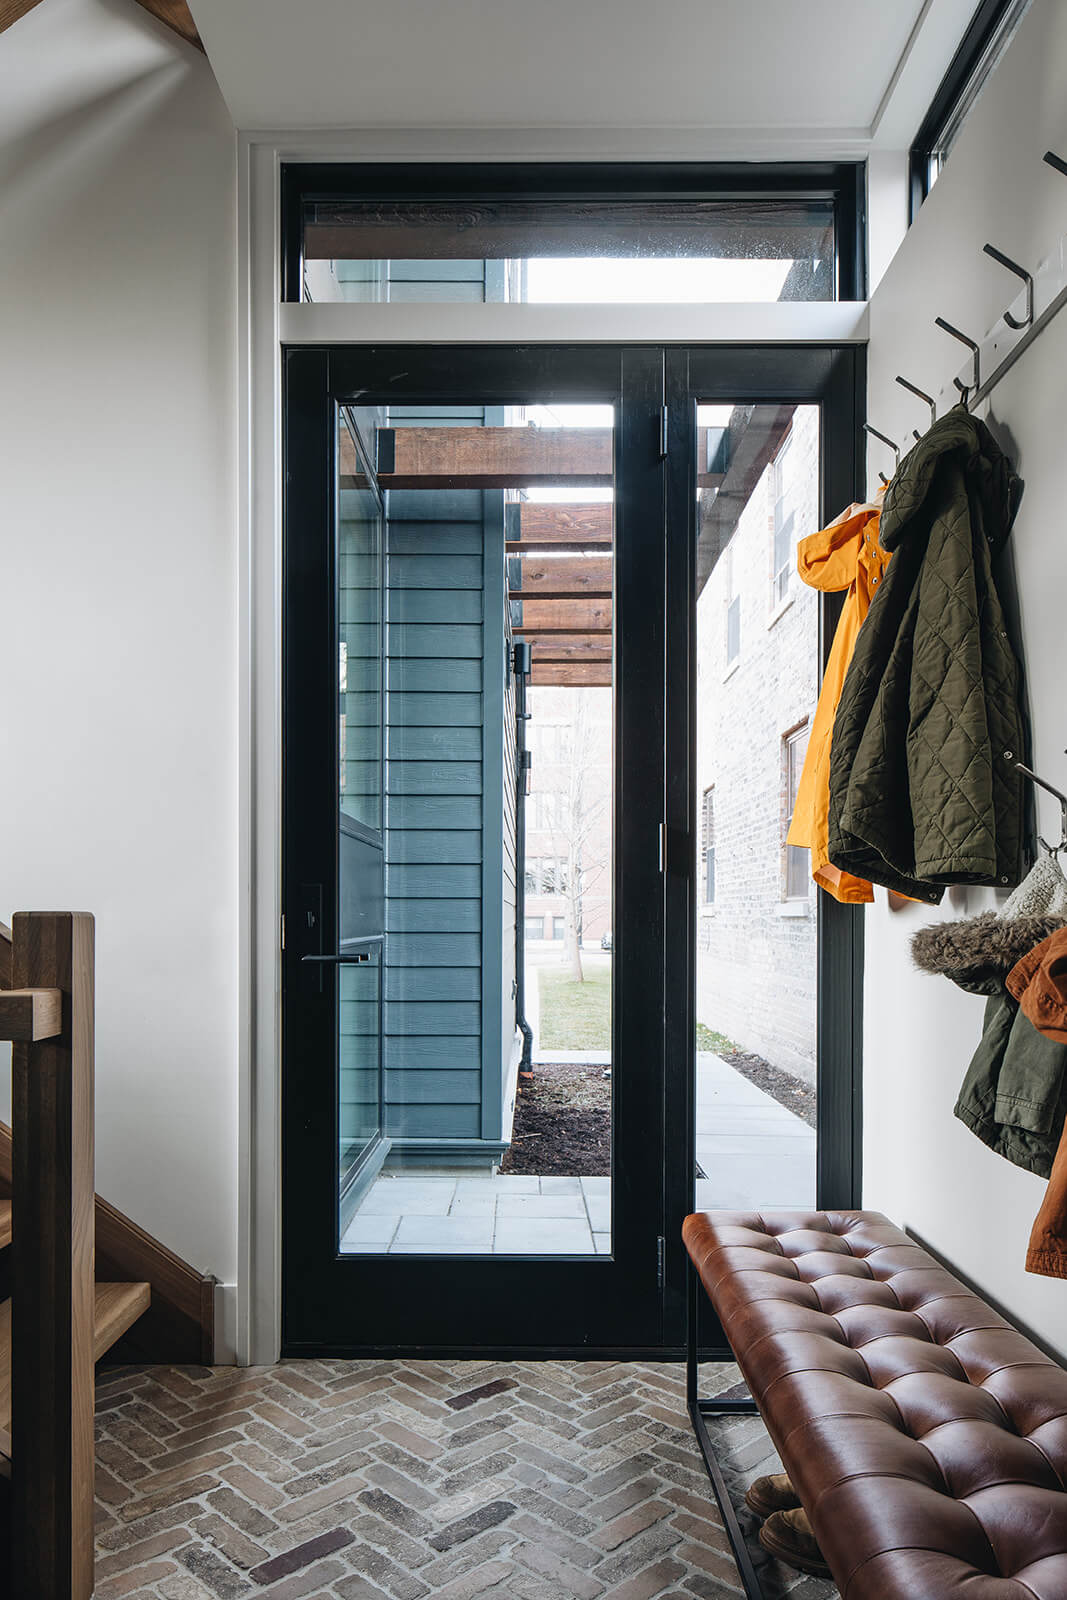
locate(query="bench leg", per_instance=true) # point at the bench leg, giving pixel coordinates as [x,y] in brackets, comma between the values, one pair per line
[698,1410]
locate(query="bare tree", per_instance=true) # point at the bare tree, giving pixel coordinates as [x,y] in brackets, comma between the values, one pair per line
[583,804]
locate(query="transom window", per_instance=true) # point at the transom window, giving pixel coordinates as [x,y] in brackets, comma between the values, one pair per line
[570,233]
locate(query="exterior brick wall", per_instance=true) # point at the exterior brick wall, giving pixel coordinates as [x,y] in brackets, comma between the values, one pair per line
[756,949]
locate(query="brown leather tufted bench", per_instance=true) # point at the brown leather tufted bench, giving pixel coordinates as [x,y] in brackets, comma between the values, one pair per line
[925,1436]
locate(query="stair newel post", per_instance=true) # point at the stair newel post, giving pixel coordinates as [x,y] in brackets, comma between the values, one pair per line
[52,1266]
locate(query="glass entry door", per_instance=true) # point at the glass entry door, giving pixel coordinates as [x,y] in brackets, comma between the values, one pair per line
[509,635]
[473,1016]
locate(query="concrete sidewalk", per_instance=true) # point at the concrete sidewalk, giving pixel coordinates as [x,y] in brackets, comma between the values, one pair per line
[756,1153]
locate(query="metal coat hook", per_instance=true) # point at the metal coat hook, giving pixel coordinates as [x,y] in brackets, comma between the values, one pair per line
[914,389]
[1020,272]
[1062,798]
[1055,161]
[867,428]
[972,347]
[883,480]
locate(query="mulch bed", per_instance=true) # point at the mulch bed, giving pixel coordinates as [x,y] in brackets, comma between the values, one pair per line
[797,1097]
[562,1124]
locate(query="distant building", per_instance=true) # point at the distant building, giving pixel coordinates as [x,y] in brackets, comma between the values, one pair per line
[758,630]
[568,813]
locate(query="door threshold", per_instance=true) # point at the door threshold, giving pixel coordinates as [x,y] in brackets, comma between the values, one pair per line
[427,1352]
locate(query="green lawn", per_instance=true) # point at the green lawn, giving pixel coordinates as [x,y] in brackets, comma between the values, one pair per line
[575,1016]
[709,1039]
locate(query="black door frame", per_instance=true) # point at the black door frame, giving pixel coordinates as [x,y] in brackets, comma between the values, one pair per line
[639,1309]
[834,377]
[532,1305]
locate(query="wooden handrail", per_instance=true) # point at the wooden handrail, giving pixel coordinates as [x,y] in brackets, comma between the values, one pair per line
[52,1288]
[30,1014]
[5,956]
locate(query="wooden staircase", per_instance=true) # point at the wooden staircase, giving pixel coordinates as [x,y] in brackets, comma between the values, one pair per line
[57,1321]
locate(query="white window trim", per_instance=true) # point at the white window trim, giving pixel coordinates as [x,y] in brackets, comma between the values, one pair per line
[783,605]
[264,326]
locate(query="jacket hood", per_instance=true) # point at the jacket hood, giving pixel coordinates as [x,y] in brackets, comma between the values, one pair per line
[828,559]
[977,953]
[992,483]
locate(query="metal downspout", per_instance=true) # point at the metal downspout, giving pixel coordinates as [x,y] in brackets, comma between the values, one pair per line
[521,663]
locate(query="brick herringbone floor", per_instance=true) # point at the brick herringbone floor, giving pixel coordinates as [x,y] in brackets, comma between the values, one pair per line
[403,1479]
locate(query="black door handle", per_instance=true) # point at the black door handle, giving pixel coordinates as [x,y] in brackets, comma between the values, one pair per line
[339,961]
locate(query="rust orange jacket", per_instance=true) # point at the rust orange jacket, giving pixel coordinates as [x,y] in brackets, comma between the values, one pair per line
[1039,983]
[844,555]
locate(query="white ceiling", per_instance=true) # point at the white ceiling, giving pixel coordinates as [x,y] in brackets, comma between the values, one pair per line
[753,70]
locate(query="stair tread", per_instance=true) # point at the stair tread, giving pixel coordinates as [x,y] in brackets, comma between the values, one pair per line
[118,1306]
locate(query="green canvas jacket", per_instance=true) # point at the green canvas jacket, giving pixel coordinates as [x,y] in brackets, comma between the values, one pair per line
[1014,1096]
[923,792]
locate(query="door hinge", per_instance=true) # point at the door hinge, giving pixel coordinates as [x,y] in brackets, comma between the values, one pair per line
[661,1258]
[663,433]
[283,930]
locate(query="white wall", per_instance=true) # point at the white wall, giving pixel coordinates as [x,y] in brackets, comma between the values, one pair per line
[118,591]
[921,1165]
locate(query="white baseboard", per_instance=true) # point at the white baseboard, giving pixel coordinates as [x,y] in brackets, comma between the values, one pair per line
[225,1325]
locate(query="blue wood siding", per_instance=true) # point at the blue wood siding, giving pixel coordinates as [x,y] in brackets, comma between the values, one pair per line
[434,818]
[449,1008]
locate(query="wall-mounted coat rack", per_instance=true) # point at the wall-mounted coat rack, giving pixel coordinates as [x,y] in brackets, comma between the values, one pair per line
[1062,798]
[1047,287]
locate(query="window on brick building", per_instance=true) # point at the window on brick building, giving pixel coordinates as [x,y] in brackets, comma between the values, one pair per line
[535,927]
[783,523]
[733,610]
[546,807]
[557,928]
[550,741]
[797,860]
[707,846]
[546,875]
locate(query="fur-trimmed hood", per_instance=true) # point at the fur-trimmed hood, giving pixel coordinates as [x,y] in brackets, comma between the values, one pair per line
[978,952]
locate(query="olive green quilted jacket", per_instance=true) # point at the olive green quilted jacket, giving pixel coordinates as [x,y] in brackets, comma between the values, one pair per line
[922,788]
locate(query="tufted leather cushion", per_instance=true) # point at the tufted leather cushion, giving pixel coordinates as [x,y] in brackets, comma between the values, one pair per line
[926,1437]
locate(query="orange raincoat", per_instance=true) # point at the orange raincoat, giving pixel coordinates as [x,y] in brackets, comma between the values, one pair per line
[845,555]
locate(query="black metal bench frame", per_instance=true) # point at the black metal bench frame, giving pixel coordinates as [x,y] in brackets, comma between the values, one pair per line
[700,1409]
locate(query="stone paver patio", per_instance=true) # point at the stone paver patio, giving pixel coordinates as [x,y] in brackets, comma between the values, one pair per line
[418,1213]
[754,1152]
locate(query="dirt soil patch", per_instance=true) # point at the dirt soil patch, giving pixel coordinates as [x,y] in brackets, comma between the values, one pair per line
[563,1115]
[562,1123]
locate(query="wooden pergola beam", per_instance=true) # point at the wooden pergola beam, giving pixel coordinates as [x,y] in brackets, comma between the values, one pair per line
[565,578]
[572,674]
[493,458]
[562,616]
[754,435]
[554,525]
[496,458]
[553,645]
